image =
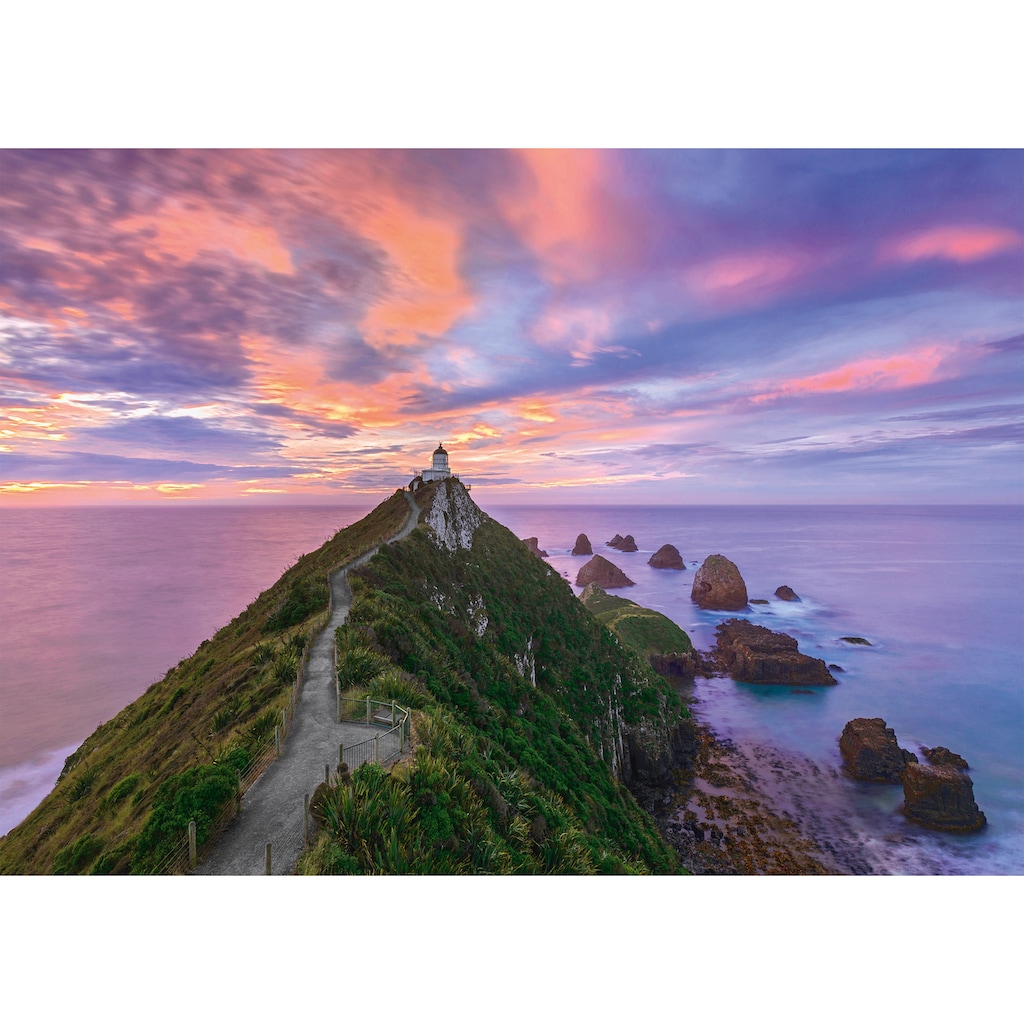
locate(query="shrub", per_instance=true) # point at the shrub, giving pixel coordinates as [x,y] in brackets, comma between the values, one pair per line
[71,859]
[197,794]
[121,789]
[306,596]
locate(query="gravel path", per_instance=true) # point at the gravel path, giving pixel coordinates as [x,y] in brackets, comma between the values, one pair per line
[272,809]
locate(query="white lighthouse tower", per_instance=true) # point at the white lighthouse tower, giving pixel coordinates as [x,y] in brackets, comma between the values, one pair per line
[440,469]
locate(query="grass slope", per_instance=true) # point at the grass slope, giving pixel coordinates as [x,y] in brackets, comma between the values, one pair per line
[643,629]
[132,786]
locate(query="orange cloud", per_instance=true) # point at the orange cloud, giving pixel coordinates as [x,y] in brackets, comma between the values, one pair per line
[559,214]
[878,374]
[961,243]
[184,233]
[426,294]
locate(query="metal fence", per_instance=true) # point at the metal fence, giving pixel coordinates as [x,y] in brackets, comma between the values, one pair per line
[393,719]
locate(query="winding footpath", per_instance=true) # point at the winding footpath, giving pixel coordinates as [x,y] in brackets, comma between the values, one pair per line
[273,808]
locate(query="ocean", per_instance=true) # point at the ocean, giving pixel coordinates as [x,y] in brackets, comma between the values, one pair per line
[100,602]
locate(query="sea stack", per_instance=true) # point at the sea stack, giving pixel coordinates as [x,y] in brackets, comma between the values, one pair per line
[600,571]
[718,585]
[531,543]
[666,557]
[626,543]
[942,797]
[871,753]
[582,546]
[785,593]
[945,756]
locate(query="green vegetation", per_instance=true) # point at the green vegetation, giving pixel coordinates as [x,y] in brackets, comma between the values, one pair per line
[526,713]
[508,775]
[105,812]
[643,629]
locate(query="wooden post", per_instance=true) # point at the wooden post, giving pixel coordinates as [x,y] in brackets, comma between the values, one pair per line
[305,822]
[337,690]
[341,753]
[266,865]
[401,737]
[277,740]
[376,747]
[327,773]
[192,845]
[284,721]
[392,714]
[367,710]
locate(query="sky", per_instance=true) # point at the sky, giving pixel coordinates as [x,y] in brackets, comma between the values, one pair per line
[611,325]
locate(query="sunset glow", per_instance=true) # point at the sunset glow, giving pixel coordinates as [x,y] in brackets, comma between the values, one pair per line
[650,326]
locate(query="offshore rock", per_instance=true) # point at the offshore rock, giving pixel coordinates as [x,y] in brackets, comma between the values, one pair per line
[945,756]
[600,571]
[871,753]
[718,585]
[626,543]
[786,594]
[582,546]
[531,543]
[755,654]
[666,557]
[942,797]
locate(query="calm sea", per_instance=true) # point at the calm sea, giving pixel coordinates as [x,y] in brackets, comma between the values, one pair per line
[100,602]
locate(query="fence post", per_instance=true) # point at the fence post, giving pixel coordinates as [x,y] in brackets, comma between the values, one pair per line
[376,747]
[337,691]
[327,773]
[392,714]
[277,740]
[266,863]
[341,753]
[305,822]
[367,710]
[192,845]
[401,737]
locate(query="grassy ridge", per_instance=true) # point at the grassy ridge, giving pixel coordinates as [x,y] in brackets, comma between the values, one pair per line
[173,752]
[645,630]
[521,700]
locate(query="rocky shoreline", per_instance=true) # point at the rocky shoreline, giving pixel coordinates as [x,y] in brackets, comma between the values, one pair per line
[754,810]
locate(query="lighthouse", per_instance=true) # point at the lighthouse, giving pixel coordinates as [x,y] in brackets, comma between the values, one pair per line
[439,469]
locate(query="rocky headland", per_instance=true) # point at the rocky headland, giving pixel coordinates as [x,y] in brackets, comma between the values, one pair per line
[534,547]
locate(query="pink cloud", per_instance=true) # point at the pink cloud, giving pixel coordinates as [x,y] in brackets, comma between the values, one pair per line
[745,277]
[919,366]
[960,243]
